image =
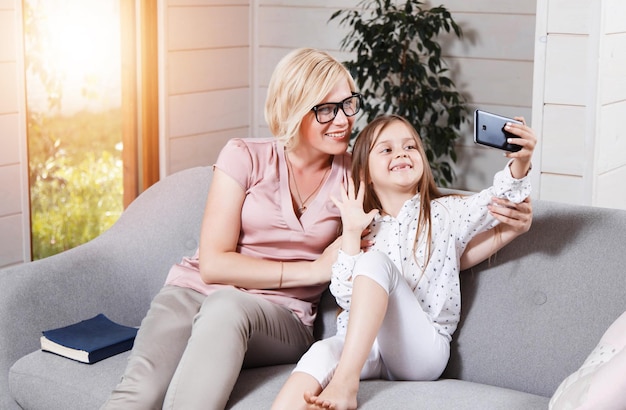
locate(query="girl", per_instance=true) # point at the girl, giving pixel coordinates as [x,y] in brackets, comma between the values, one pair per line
[401,299]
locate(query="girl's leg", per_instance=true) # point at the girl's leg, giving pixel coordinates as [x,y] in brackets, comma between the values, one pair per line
[367,310]
[291,395]
[410,346]
[233,328]
[313,371]
[608,388]
[159,344]
[384,311]
[615,335]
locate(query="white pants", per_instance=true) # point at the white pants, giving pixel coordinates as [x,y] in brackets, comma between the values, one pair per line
[408,346]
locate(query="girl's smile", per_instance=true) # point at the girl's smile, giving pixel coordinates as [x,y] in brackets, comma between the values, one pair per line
[401,166]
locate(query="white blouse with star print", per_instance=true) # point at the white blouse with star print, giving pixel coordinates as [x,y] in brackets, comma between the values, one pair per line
[455,221]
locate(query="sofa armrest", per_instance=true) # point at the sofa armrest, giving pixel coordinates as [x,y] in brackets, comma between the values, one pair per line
[117,273]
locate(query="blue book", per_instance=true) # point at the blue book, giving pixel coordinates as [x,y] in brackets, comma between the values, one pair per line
[90,340]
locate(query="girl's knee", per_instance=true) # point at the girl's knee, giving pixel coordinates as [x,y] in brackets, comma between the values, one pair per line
[378,266]
[616,333]
[326,349]
[374,257]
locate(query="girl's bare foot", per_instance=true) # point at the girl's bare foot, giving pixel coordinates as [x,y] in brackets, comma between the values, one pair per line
[336,396]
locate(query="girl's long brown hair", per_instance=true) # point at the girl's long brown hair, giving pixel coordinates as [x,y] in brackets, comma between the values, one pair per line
[425,186]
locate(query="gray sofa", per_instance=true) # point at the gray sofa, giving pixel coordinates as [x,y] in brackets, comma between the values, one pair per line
[530,315]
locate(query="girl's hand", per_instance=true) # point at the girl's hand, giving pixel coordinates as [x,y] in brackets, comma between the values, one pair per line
[527,140]
[516,220]
[518,217]
[353,217]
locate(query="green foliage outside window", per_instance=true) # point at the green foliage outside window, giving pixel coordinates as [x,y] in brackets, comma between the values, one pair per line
[75,177]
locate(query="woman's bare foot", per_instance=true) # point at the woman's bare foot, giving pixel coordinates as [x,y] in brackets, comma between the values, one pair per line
[336,396]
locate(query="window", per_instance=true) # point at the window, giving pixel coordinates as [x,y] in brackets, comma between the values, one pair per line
[91,105]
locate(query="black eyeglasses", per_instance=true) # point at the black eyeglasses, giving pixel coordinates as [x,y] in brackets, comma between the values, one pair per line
[328,111]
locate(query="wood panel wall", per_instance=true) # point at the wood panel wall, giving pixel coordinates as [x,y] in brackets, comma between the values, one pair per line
[208,64]
[581,101]
[206,96]
[14,214]
[216,58]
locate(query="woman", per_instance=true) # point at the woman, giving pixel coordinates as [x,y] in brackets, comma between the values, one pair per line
[267,244]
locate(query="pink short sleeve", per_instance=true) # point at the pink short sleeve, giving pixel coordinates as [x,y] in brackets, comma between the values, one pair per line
[235,160]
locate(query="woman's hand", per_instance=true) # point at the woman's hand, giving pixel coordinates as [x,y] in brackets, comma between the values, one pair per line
[321,268]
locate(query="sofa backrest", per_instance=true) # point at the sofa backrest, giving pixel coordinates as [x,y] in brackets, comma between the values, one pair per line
[532,314]
[160,227]
[117,273]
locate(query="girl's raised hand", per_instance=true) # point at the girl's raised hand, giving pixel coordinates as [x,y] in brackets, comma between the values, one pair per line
[353,217]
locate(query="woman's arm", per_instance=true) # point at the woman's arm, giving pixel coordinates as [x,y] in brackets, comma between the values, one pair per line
[515,219]
[221,263]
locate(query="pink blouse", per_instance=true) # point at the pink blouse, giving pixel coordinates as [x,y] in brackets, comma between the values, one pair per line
[270,228]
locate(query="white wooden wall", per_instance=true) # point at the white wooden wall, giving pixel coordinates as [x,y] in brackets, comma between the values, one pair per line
[581,101]
[216,58]
[487,25]
[493,67]
[205,80]
[14,214]
[499,40]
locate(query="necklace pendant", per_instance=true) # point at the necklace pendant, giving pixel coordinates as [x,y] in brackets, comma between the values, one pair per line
[301,209]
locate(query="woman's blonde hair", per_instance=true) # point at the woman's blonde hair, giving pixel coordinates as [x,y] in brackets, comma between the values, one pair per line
[300,81]
[426,186]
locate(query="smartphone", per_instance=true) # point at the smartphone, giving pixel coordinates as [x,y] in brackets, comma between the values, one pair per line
[489,131]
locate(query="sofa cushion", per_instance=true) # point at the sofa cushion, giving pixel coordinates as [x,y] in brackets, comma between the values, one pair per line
[257,388]
[531,314]
[46,381]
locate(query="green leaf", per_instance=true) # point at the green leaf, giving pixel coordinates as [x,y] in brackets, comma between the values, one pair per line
[399,68]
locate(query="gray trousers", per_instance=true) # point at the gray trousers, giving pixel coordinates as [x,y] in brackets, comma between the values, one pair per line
[190,348]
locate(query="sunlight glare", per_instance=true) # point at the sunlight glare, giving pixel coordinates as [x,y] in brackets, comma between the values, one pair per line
[82,46]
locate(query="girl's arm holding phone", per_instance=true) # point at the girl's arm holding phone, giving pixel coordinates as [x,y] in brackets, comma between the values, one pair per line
[515,219]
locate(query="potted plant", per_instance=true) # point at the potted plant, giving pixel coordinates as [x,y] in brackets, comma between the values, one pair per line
[399,69]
